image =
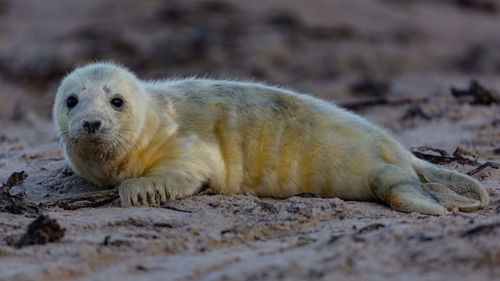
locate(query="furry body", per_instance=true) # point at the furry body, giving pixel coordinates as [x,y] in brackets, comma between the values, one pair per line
[173,136]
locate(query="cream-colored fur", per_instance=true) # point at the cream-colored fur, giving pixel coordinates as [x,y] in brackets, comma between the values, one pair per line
[173,136]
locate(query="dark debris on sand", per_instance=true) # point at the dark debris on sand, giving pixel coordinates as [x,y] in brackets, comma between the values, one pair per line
[476,94]
[16,204]
[41,231]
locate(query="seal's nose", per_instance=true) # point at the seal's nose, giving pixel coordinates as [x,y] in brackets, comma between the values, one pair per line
[91,126]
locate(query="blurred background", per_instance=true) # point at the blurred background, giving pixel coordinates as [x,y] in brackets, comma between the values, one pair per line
[342,50]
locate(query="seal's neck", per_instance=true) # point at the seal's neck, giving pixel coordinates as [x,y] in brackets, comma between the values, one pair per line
[155,132]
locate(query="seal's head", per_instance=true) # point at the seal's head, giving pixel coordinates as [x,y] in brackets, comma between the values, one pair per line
[99,113]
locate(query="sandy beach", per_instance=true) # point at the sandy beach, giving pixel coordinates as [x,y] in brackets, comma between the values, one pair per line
[427,71]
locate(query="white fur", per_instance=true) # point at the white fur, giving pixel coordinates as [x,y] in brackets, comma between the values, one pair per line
[176,135]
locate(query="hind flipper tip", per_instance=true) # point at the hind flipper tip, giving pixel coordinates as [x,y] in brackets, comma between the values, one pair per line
[408,199]
[450,199]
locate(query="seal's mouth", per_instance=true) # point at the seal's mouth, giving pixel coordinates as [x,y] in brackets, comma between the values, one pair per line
[89,146]
[92,140]
[88,143]
[104,146]
[84,138]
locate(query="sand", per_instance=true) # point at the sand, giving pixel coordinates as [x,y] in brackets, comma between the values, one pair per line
[390,62]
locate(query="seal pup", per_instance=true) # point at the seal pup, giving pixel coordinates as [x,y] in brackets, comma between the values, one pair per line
[159,140]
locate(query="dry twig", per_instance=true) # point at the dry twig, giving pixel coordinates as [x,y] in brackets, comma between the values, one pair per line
[493,165]
[90,200]
[458,156]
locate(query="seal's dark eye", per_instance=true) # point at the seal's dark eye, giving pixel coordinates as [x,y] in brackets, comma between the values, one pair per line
[71,101]
[117,103]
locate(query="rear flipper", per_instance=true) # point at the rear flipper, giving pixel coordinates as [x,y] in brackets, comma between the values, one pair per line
[454,182]
[404,191]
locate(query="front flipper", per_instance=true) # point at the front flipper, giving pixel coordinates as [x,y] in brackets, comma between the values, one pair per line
[155,191]
[405,192]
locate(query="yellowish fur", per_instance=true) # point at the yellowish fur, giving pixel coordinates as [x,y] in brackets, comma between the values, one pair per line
[173,136]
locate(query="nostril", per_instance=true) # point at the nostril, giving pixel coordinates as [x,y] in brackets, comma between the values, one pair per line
[91,126]
[96,125]
[86,125]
